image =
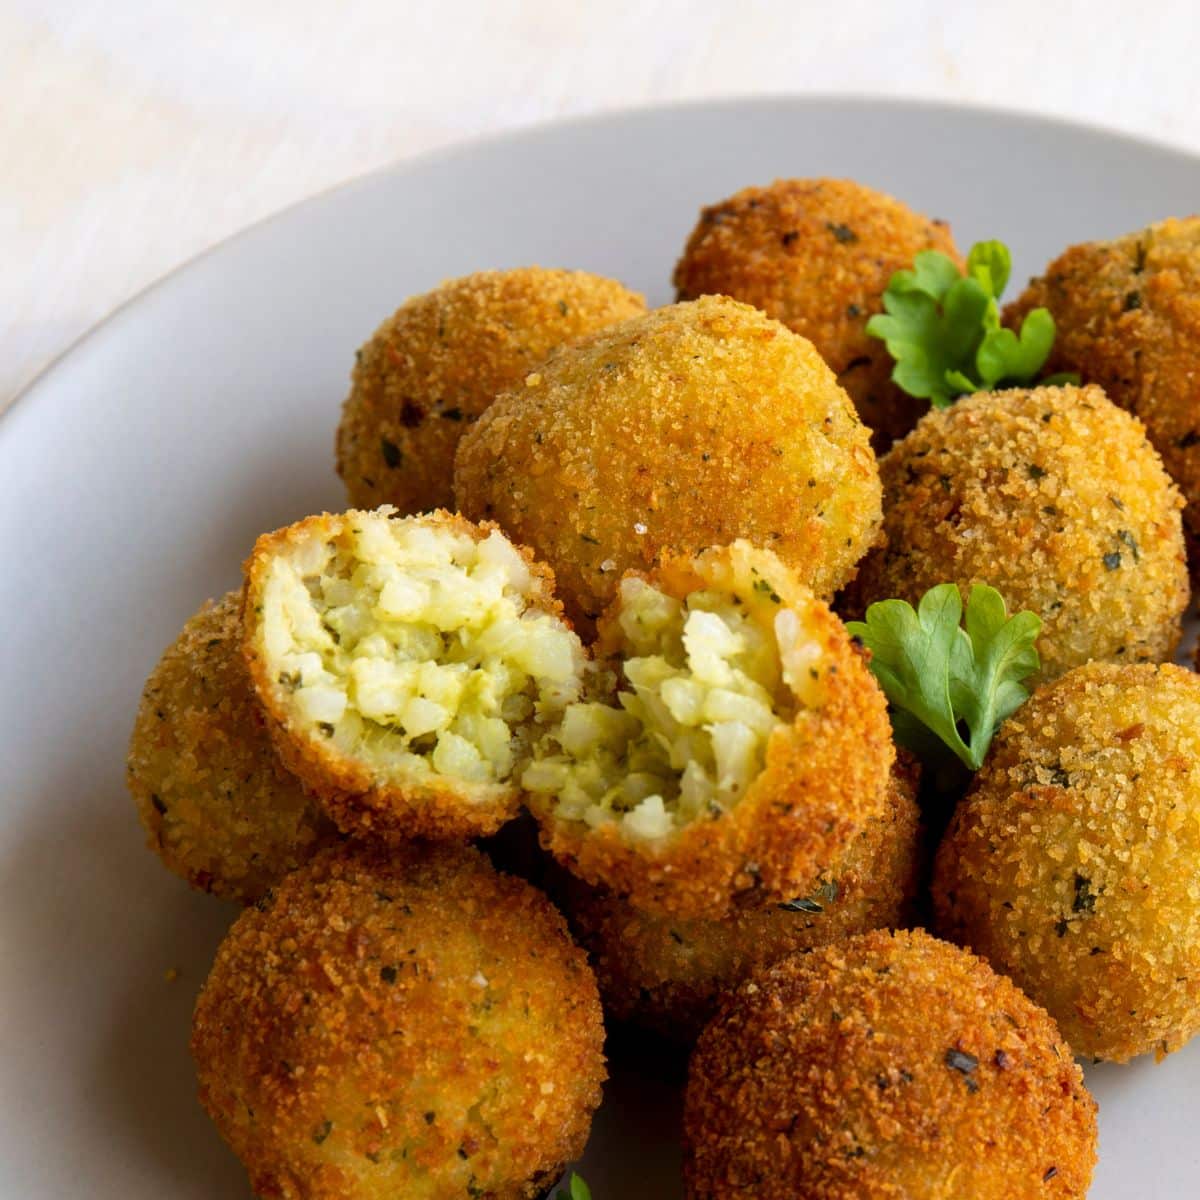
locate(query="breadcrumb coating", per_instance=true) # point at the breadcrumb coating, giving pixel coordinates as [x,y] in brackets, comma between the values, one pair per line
[690,427]
[823,774]
[1128,318]
[1074,863]
[405,665]
[217,805]
[1054,497]
[885,1066]
[400,1023]
[817,254]
[668,974]
[432,367]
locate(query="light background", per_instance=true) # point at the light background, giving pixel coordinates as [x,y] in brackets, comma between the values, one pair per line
[135,134]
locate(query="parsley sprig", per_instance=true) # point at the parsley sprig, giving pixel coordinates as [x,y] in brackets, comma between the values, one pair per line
[942,680]
[943,328]
[576,1189]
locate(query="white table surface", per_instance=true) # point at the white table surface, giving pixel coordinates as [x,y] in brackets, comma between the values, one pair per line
[134,134]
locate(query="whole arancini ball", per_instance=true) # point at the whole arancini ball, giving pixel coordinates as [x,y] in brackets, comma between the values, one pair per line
[218,806]
[690,427]
[406,1023]
[432,367]
[817,254]
[1074,863]
[1127,313]
[888,1065]
[1054,497]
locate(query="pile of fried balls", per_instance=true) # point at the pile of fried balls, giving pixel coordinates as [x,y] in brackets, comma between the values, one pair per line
[559,723]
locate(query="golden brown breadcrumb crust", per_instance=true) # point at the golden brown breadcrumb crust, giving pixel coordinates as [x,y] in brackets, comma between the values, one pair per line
[668,974]
[1073,864]
[885,1066]
[361,800]
[403,1022]
[826,775]
[1128,318]
[217,805]
[1055,498]
[689,427]
[432,367]
[817,254]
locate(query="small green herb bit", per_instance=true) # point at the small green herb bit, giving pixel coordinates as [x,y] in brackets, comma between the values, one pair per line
[577,1189]
[943,328]
[939,677]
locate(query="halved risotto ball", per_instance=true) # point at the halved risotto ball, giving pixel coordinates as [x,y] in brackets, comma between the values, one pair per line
[1128,319]
[405,665]
[218,806]
[889,1065]
[817,254]
[1054,497]
[690,427]
[404,1022]
[1074,863]
[432,367]
[740,749]
[668,974]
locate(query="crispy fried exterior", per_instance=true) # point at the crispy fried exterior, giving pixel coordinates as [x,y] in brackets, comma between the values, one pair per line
[1072,865]
[1055,498]
[826,776]
[1128,318]
[217,804]
[887,1066]
[400,1023]
[362,802]
[668,975]
[690,427]
[817,254]
[432,367]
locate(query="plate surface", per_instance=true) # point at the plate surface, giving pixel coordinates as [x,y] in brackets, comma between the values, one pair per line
[135,474]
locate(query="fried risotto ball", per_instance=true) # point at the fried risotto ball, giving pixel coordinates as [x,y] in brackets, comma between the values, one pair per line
[737,748]
[433,366]
[888,1065]
[690,427]
[1072,865]
[400,1022]
[668,974]
[1055,498]
[405,665]
[1128,318]
[217,805]
[817,254]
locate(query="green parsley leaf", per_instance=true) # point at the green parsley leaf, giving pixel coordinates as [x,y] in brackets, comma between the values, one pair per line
[942,328]
[941,679]
[577,1189]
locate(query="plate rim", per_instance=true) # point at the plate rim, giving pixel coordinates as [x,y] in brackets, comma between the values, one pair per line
[465,146]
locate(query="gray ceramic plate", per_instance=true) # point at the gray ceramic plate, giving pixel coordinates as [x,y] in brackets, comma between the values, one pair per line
[135,474]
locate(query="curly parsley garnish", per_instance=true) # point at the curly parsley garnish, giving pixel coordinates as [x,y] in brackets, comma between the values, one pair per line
[943,680]
[943,328]
[577,1189]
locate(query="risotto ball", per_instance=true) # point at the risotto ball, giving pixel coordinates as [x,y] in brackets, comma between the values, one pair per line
[405,666]
[889,1065]
[1128,318]
[1072,864]
[735,748]
[217,804]
[400,1022]
[432,367]
[690,427]
[817,254]
[1054,497]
